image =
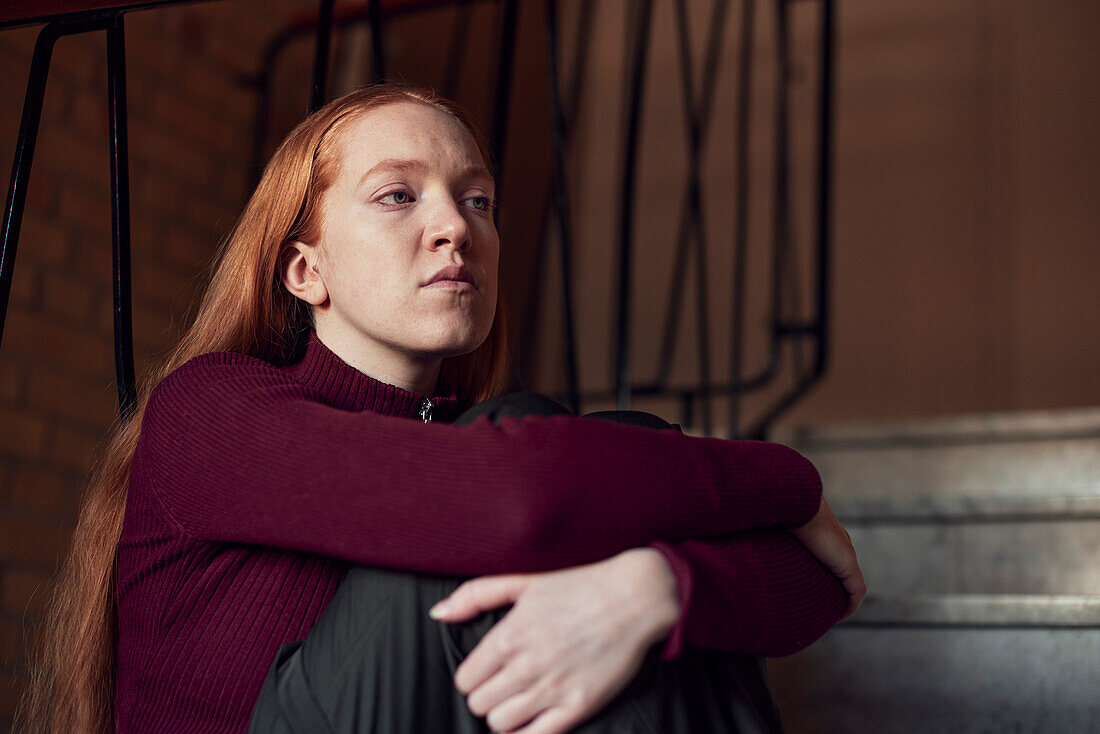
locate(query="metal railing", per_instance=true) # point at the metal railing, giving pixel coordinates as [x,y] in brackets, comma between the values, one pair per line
[800,330]
[72,18]
[810,330]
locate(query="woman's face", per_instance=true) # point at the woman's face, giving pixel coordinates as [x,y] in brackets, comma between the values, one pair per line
[408,249]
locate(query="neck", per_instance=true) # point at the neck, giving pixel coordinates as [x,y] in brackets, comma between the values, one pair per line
[399,370]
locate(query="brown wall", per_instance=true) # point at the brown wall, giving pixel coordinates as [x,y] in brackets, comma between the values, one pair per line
[968,167]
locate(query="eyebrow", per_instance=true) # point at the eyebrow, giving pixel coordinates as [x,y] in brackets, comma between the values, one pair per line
[401,165]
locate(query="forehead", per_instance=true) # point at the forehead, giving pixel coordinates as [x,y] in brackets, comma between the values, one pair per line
[407,131]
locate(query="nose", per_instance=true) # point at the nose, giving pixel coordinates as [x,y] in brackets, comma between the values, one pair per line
[447,227]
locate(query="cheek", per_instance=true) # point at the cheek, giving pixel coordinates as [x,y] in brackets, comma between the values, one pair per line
[364,274]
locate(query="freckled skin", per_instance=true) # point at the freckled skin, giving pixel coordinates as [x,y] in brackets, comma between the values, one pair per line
[387,229]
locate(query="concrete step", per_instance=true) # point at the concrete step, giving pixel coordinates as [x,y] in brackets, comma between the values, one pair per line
[949,663]
[996,503]
[1028,557]
[979,537]
[1002,455]
[913,544]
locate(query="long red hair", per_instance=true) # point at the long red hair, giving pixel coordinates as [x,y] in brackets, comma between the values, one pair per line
[244,309]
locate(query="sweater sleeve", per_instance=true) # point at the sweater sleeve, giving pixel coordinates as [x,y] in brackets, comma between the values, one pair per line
[239,452]
[758,592]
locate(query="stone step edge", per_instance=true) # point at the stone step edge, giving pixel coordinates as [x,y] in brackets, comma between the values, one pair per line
[960,510]
[979,610]
[980,428]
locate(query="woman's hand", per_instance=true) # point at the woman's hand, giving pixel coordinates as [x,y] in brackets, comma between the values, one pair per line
[830,543]
[572,641]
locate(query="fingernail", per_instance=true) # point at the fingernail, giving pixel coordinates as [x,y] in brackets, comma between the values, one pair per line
[438,611]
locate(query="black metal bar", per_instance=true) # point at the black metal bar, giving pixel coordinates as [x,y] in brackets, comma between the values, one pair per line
[770,366]
[798,328]
[789,325]
[561,203]
[781,204]
[456,55]
[580,62]
[816,326]
[695,206]
[47,11]
[120,218]
[632,122]
[321,52]
[741,215]
[679,269]
[824,185]
[671,329]
[503,95]
[780,213]
[120,201]
[24,156]
[28,137]
[378,56]
[675,294]
[572,105]
[824,213]
[780,235]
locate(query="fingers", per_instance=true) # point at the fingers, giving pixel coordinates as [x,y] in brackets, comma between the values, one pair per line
[551,721]
[503,686]
[852,577]
[487,657]
[512,712]
[831,544]
[857,589]
[498,683]
[479,595]
[853,580]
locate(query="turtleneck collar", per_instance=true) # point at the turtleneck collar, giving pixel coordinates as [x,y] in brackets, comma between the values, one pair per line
[345,387]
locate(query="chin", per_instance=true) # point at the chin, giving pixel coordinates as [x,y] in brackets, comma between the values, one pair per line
[459,348]
[457,337]
[454,344]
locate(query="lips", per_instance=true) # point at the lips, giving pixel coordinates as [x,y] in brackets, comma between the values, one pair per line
[452,275]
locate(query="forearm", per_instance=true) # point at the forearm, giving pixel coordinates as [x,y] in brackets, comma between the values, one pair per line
[253,459]
[759,592]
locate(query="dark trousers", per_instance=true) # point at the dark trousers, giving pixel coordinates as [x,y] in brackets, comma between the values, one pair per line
[376,663]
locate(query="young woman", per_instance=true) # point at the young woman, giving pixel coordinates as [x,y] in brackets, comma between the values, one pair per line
[299,429]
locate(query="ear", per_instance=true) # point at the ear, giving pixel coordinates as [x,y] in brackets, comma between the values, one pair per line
[298,270]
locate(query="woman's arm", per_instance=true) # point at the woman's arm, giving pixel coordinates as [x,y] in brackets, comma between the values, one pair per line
[759,592]
[236,451]
[574,638]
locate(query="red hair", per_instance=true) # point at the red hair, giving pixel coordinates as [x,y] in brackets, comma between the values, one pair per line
[244,309]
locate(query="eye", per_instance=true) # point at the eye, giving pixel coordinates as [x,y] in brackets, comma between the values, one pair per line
[480,203]
[396,197]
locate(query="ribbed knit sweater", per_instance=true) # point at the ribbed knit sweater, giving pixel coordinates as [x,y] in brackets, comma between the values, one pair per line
[254,487]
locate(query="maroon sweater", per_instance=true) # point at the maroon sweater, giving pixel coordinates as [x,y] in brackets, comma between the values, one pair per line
[254,487]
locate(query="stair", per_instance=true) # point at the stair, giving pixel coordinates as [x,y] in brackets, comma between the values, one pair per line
[979,537]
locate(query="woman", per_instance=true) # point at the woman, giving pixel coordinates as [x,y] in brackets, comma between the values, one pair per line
[274,449]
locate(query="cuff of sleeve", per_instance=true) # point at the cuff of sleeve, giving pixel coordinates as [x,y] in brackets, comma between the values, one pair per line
[685,586]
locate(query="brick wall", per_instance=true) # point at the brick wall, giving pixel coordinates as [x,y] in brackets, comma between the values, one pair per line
[190,128]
